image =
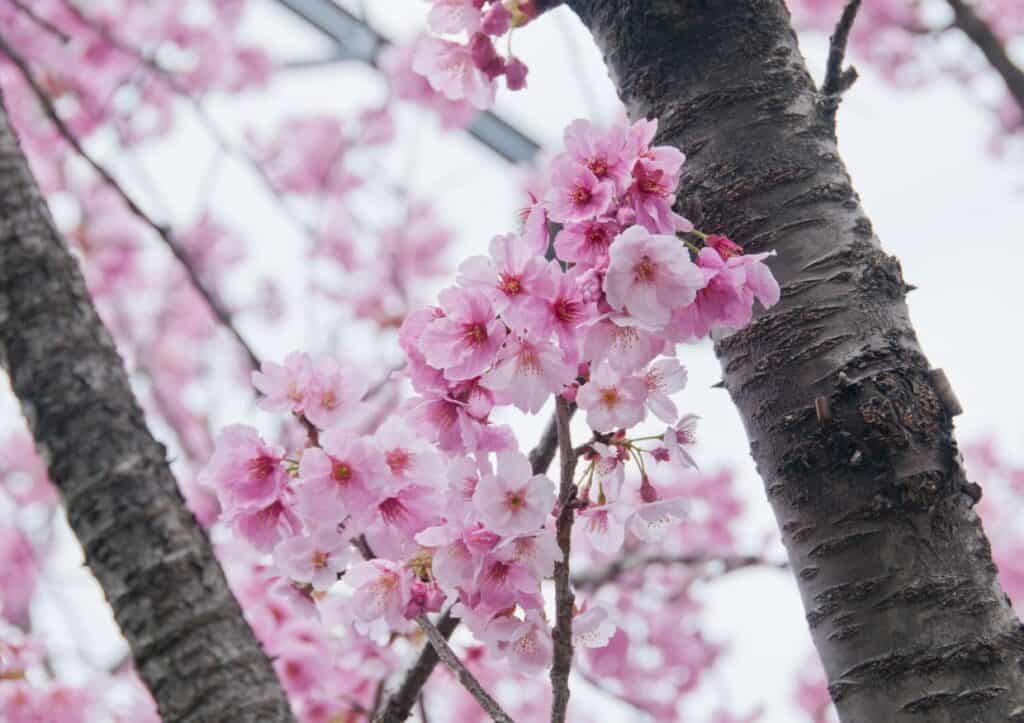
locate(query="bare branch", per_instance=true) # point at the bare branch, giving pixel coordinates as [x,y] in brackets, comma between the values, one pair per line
[468,680]
[41,21]
[216,307]
[837,79]
[542,455]
[565,600]
[399,706]
[169,79]
[717,564]
[984,37]
[189,640]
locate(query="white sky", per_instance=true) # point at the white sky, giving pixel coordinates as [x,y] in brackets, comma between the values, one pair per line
[939,201]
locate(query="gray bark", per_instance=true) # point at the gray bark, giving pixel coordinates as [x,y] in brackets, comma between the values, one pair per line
[189,641]
[874,508]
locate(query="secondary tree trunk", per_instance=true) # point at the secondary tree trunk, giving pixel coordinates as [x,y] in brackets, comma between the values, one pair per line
[876,513]
[190,643]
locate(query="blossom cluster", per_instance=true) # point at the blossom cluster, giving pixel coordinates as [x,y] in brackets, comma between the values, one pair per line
[438,504]
[468,70]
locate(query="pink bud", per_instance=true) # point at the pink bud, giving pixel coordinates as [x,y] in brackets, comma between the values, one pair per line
[497,21]
[515,74]
[723,245]
[647,492]
[485,57]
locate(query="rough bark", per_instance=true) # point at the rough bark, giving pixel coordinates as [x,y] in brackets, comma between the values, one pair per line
[876,513]
[188,638]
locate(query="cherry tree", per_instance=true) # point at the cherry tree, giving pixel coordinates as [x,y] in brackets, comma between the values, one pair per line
[379,516]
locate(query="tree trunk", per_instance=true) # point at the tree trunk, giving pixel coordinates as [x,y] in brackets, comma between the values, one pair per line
[189,640]
[876,513]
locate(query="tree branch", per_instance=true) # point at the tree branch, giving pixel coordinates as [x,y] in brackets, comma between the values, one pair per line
[216,307]
[169,79]
[565,600]
[893,566]
[542,455]
[722,564]
[837,79]
[466,678]
[400,705]
[190,643]
[981,34]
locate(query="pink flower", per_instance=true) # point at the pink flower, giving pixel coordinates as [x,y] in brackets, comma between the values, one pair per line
[566,308]
[341,477]
[314,558]
[514,500]
[727,299]
[264,528]
[527,643]
[450,70]
[284,387]
[246,472]
[333,393]
[409,458]
[609,470]
[454,564]
[604,153]
[458,421]
[592,628]
[664,378]
[604,526]
[300,667]
[451,17]
[465,341]
[612,400]
[537,553]
[424,597]
[399,517]
[576,194]
[679,437]
[650,275]
[381,592]
[529,373]
[587,243]
[510,278]
[617,339]
[397,61]
[653,192]
[649,520]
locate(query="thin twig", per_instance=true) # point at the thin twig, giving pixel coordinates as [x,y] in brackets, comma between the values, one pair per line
[219,137]
[984,37]
[565,600]
[542,455]
[216,307]
[837,79]
[399,706]
[466,678]
[41,21]
[722,564]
